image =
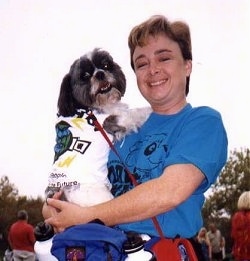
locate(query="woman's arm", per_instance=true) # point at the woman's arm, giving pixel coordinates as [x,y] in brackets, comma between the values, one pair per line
[151,198]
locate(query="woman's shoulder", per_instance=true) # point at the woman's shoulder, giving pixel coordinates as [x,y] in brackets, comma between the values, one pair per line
[205,111]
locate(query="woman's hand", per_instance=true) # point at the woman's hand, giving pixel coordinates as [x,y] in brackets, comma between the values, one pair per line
[47,211]
[65,214]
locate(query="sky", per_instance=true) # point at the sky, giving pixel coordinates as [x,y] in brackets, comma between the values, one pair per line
[40,39]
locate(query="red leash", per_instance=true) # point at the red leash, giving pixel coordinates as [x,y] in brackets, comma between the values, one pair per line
[131,176]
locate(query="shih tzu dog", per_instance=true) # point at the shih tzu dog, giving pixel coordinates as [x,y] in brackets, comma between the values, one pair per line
[95,83]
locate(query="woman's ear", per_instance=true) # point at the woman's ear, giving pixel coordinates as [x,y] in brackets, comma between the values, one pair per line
[188,67]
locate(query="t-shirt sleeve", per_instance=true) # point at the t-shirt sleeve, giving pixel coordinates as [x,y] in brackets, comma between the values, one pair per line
[201,141]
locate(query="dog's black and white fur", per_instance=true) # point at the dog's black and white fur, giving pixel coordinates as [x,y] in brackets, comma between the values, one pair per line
[94,83]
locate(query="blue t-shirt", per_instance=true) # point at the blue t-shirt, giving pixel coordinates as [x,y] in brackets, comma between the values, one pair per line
[193,135]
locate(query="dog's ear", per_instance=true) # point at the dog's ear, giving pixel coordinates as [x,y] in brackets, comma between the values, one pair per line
[121,79]
[122,83]
[66,104]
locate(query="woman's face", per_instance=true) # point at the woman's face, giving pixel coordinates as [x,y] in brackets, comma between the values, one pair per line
[161,73]
[203,232]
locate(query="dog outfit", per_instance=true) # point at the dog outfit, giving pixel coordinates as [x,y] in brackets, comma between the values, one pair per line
[80,163]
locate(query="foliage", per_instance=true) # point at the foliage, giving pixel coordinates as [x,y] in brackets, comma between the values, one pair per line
[233,180]
[10,203]
[7,190]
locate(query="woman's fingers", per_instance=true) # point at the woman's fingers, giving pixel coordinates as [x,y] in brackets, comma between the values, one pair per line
[55,203]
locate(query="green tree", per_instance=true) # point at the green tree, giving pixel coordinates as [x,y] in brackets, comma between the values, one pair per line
[8,198]
[234,179]
[7,189]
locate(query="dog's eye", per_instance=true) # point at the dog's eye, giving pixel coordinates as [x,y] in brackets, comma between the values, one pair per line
[105,66]
[85,75]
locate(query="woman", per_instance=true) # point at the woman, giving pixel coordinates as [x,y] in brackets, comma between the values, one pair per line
[203,239]
[175,156]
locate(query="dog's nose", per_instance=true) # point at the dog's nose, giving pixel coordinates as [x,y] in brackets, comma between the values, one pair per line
[100,75]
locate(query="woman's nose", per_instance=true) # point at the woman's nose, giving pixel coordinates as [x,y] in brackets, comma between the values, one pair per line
[154,68]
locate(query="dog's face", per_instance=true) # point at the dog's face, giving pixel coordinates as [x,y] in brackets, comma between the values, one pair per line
[94,80]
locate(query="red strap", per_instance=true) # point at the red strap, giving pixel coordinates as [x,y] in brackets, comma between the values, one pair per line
[100,128]
[131,176]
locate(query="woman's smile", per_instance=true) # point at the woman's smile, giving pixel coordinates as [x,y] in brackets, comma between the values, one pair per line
[157,83]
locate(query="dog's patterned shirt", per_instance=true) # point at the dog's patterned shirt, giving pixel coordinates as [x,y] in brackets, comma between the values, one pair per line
[80,163]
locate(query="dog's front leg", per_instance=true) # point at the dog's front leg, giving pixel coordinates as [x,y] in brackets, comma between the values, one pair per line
[126,122]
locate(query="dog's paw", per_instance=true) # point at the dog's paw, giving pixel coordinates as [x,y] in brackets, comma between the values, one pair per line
[111,126]
[51,191]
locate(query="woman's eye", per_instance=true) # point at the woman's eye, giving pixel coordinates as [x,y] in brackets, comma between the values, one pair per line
[140,65]
[163,59]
